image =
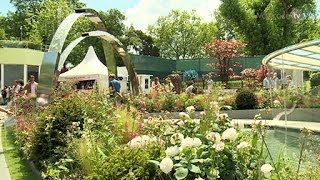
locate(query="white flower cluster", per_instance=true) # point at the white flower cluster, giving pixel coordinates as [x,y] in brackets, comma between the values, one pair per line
[166,165]
[229,134]
[243,145]
[140,141]
[184,115]
[190,109]
[222,117]
[215,137]
[190,142]
[266,170]
[176,138]
[172,151]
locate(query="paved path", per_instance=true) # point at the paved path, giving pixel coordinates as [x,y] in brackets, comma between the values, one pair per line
[314,126]
[4,171]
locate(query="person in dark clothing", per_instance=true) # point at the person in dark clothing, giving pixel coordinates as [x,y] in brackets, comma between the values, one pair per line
[114,84]
[4,95]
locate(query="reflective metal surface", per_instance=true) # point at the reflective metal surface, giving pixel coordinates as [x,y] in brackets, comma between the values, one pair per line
[52,62]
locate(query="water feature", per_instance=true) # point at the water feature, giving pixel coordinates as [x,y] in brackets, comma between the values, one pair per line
[288,143]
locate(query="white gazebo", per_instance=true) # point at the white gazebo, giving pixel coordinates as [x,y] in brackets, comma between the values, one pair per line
[295,59]
[91,68]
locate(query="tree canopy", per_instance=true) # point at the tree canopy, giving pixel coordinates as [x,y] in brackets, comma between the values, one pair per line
[181,35]
[267,25]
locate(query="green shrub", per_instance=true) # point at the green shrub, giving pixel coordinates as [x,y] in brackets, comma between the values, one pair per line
[62,121]
[246,99]
[315,79]
[130,163]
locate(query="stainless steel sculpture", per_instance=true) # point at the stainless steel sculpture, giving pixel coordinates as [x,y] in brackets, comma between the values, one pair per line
[52,61]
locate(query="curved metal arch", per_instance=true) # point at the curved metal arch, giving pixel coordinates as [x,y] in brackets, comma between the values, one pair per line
[51,58]
[103,35]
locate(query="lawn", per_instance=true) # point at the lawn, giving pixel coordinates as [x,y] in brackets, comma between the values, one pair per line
[19,168]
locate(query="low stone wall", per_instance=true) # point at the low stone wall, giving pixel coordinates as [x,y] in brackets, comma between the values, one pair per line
[298,114]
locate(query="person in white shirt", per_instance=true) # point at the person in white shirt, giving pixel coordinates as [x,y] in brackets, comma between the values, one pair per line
[275,81]
[32,87]
[267,82]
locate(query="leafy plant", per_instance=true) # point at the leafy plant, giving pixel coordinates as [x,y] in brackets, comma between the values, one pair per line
[315,79]
[246,99]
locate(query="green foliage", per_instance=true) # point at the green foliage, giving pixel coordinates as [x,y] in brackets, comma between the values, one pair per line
[190,75]
[315,79]
[64,119]
[181,35]
[18,166]
[267,25]
[130,163]
[246,99]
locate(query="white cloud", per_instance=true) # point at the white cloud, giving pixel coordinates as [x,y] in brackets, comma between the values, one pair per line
[146,12]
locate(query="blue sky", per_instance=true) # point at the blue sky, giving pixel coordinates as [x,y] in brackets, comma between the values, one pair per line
[94,4]
[141,13]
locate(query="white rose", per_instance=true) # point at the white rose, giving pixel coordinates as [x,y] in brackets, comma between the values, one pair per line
[243,145]
[190,109]
[166,165]
[266,170]
[187,142]
[219,146]
[196,142]
[210,136]
[176,138]
[140,141]
[183,115]
[180,123]
[196,121]
[172,151]
[223,116]
[230,134]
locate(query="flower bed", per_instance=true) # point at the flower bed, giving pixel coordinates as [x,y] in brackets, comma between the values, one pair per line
[84,137]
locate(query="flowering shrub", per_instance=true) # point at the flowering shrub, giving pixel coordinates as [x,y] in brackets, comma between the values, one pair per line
[82,136]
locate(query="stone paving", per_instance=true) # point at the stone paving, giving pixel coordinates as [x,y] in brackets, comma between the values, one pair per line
[4,171]
[314,126]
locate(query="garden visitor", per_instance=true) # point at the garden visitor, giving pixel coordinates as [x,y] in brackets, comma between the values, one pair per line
[191,89]
[275,81]
[16,88]
[168,87]
[4,94]
[290,83]
[114,85]
[31,88]
[155,88]
[210,84]
[267,82]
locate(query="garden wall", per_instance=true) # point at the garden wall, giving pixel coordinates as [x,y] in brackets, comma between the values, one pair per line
[162,67]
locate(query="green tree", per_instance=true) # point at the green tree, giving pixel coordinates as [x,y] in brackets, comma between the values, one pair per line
[2,31]
[140,42]
[114,21]
[267,25]
[181,35]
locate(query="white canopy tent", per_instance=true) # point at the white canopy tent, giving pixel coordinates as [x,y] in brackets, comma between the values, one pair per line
[91,68]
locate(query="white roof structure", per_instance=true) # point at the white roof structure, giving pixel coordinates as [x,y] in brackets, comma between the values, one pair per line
[91,68]
[122,72]
[303,56]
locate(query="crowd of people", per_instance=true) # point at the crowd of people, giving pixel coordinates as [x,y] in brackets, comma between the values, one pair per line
[271,81]
[18,89]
